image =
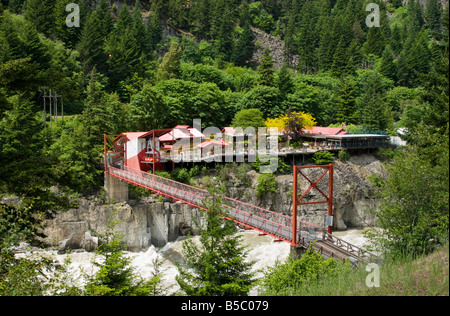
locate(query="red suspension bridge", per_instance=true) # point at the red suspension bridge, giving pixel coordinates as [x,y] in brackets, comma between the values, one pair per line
[298,233]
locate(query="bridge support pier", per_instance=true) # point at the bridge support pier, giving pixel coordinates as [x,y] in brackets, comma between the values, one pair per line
[116,190]
[297,252]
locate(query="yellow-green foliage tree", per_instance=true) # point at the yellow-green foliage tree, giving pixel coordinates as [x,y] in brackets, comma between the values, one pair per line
[292,122]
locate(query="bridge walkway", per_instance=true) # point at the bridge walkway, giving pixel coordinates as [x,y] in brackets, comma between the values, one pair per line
[253,217]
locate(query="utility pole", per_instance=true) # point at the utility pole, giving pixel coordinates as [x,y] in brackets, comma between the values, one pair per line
[53,106]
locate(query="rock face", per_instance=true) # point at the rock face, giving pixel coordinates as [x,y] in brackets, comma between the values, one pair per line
[352,194]
[141,225]
[277,49]
[152,222]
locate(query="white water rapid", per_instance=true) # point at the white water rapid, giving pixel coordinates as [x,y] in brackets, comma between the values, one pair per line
[262,249]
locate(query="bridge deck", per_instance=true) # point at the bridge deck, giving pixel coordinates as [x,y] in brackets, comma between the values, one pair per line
[268,222]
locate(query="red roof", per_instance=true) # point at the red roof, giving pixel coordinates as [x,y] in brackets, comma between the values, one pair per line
[214,142]
[179,132]
[132,136]
[325,130]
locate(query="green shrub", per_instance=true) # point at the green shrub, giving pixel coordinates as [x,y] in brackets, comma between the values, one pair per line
[323,158]
[343,155]
[163,174]
[266,184]
[295,276]
[385,154]
[282,168]
[242,176]
[181,175]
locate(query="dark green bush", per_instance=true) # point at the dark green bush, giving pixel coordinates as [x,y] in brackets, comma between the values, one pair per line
[266,184]
[343,155]
[323,158]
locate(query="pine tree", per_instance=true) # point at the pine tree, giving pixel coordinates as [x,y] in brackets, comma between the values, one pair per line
[11,45]
[326,50]
[346,103]
[91,45]
[291,46]
[355,54]
[284,81]
[139,31]
[404,71]
[123,50]
[201,17]
[308,39]
[243,50]
[105,17]
[375,42]
[419,57]
[433,15]
[116,276]
[40,14]
[372,106]
[396,39]
[342,64]
[265,70]
[15,6]
[415,14]
[154,28]
[387,65]
[23,163]
[223,40]
[69,35]
[217,266]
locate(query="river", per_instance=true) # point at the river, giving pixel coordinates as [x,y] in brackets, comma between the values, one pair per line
[262,249]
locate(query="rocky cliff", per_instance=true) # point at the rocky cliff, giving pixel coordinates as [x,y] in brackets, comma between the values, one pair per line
[152,222]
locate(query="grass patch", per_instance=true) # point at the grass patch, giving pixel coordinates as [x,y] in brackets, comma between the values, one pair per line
[425,276]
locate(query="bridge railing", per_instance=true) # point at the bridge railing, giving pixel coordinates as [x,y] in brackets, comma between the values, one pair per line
[266,221]
[359,253]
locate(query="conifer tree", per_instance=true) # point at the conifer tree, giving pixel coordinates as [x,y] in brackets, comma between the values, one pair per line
[387,65]
[355,54]
[91,45]
[123,50]
[105,18]
[404,70]
[15,6]
[433,15]
[139,31]
[154,28]
[375,42]
[415,15]
[69,35]
[200,14]
[243,50]
[11,45]
[265,70]
[23,164]
[308,38]
[40,14]
[326,49]
[342,64]
[284,81]
[346,103]
[372,105]
[419,57]
[222,39]
[396,39]
[217,266]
